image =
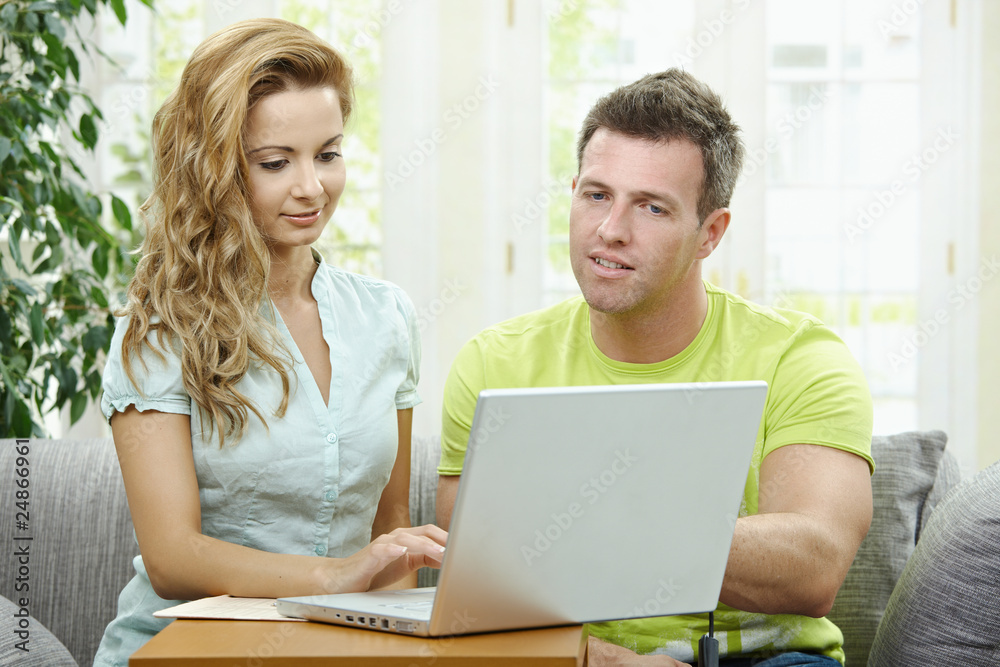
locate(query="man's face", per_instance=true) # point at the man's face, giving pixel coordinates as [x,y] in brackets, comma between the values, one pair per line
[634,230]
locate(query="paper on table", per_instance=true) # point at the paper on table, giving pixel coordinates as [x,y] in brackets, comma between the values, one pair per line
[226,607]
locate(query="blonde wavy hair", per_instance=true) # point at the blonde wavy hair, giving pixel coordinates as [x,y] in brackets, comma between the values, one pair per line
[202,277]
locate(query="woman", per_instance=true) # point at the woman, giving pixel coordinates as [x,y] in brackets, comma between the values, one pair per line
[260,400]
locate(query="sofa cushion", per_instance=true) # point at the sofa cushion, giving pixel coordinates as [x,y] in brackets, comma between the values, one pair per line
[82,546]
[944,608]
[912,473]
[36,648]
[424,454]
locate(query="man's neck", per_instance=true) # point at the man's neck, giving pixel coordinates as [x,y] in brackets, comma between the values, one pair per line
[653,336]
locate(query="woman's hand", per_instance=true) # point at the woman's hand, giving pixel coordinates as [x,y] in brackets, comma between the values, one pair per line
[388,558]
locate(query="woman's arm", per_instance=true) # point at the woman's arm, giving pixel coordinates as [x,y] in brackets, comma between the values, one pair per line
[154,450]
[394,506]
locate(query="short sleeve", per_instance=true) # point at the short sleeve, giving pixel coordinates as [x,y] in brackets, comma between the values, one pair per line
[819,396]
[407,396]
[461,391]
[160,383]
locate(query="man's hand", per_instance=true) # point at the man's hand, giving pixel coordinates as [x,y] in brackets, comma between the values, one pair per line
[603,654]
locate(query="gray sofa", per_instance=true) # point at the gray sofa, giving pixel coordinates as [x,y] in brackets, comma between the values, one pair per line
[83,543]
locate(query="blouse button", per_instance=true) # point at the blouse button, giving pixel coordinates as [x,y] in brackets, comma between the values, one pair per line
[331,496]
[332,438]
[320,550]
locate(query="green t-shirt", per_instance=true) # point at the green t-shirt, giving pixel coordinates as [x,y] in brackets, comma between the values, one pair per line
[817,395]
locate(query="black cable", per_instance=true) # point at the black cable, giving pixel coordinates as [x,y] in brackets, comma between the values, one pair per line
[708,646]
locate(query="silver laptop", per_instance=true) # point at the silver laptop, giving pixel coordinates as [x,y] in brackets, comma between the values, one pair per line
[580,504]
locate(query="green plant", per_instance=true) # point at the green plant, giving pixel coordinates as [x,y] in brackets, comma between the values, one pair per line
[60,266]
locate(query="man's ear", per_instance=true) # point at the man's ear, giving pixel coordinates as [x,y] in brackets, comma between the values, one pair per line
[712,231]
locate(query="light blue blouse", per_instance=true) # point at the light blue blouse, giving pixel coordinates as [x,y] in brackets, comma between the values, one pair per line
[308,483]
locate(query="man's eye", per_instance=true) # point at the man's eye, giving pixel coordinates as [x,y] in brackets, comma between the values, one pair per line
[656,210]
[598,196]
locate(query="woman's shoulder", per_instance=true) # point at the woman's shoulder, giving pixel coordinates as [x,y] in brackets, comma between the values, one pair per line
[364,290]
[149,376]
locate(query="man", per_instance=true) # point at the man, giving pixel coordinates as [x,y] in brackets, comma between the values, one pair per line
[658,160]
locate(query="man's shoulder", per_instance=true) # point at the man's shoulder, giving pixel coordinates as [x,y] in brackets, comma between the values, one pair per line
[558,320]
[730,307]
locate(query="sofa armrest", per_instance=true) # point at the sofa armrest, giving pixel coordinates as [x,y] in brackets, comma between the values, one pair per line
[36,647]
[943,610]
[913,471]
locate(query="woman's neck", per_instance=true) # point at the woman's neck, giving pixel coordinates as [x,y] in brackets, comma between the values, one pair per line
[291,274]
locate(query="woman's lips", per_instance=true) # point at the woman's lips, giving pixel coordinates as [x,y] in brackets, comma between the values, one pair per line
[303,218]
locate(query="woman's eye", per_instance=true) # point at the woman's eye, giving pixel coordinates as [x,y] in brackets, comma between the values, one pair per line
[329,156]
[273,166]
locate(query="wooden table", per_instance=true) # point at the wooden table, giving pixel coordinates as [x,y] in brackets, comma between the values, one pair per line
[189,643]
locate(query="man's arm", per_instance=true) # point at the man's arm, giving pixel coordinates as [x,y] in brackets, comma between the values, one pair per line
[815,507]
[446,489]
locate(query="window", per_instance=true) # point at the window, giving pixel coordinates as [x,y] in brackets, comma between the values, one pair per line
[836,102]
[131,94]
[842,205]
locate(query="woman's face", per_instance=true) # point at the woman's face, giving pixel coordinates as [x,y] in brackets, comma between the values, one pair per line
[297,171]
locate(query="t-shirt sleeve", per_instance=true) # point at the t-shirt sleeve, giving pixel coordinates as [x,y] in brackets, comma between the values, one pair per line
[461,391]
[159,383]
[820,397]
[406,395]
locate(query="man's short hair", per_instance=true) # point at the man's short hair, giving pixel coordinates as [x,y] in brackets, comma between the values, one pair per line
[674,105]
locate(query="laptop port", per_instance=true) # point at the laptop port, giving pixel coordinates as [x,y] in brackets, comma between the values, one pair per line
[385,623]
[350,619]
[361,620]
[372,621]
[404,626]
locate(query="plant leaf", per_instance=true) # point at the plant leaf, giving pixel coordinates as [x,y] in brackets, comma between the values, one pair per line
[95,339]
[119,7]
[37,324]
[5,327]
[100,261]
[14,243]
[76,406]
[53,25]
[73,63]
[8,16]
[99,297]
[88,131]
[121,212]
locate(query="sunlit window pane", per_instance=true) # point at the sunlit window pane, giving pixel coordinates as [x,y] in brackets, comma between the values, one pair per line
[594,46]
[804,133]
[842,202]
[880,121]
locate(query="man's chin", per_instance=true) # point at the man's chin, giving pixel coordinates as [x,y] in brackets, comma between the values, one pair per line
[608,304]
